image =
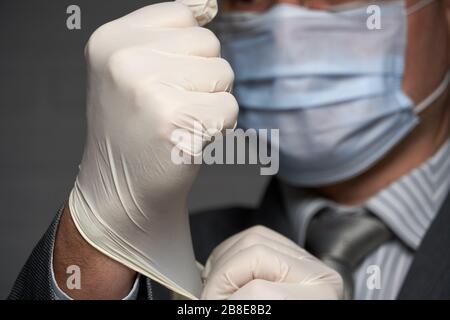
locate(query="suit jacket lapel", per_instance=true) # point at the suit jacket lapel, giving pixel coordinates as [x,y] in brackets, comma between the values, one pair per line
[429,275]
[272,212]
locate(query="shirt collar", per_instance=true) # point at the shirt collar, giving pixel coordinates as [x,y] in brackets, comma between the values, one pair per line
[407,206]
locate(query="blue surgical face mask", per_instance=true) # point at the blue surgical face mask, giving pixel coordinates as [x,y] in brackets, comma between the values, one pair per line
[328,81]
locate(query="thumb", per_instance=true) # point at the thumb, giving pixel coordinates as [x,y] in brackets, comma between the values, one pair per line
[204,10]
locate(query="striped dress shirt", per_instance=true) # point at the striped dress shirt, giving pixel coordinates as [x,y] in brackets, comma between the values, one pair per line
[407,207]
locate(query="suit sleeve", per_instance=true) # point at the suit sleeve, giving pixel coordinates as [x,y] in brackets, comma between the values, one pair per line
[36,280]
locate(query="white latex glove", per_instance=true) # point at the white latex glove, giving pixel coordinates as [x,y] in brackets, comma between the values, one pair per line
[260,263]
[149,73]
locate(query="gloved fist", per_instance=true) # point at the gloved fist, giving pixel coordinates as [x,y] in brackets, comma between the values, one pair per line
[149,73]
[259,263]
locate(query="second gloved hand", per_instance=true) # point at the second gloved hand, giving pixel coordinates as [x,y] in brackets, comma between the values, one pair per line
[260,264]
[149,73]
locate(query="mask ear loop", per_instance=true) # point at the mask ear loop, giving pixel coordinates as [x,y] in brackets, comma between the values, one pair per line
[443,86]
[419,5]
[434,96]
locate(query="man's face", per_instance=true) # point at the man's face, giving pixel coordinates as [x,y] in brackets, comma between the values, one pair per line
[427,44]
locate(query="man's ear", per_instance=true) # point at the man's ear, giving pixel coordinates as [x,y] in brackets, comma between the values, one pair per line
[446,7]
[446,4]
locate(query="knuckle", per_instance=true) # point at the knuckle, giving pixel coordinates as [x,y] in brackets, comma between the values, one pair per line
[181,13]
[332,274]
[251,239]
[209,39]
[333,284]
[259,229]
[97,39]
[337,279]
[255,287]
[335,275]
[258,250]
[334,291]
[118,62]
[231,105]
[232,108]
[227,71]
[164,14]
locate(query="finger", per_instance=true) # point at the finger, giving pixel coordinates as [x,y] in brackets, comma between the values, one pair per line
[215,111]
[191,41]
[262,262]
[258,230]
[195,41]
[199,115]
[165,14]
[147,27]
[142,66]
[258,290]
[198,74]
[266,290]
[250,240]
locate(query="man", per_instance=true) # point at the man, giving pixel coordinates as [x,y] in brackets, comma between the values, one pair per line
[364,127]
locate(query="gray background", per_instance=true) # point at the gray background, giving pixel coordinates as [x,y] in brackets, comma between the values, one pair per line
[42,98]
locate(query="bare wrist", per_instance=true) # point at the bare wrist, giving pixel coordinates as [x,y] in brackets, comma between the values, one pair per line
[100,276]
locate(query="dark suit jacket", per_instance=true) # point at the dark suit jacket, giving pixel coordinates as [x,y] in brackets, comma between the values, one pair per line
[428,278]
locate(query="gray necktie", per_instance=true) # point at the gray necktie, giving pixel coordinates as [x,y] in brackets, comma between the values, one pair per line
[342,241]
